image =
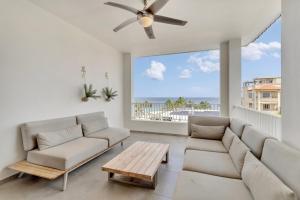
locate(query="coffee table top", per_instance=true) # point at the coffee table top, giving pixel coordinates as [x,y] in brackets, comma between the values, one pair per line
[140,160]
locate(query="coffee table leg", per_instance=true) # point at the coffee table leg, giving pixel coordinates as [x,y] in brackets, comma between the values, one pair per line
[110,175]
[154,183]
[167,158]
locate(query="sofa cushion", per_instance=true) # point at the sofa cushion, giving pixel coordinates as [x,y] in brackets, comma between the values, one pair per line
[207,121]
[218,164]
[228,138]
[237,126]
[254,139]
[284,162]
[205,145]
[237,153]
[31,129]
[112,135]
[89,117]
[199,186]
[207,132]
[90,127]
[46,140]
[257,176]
[67,155]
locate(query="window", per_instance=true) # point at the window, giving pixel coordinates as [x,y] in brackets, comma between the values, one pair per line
[250,95]
[171,87]
[266,95]
[266,107]
[261,68]
[250,105]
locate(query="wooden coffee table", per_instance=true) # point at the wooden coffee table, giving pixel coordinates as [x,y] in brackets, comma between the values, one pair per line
[138,164]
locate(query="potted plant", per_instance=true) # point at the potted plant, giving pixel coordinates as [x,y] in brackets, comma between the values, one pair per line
[109,94]
[89,92]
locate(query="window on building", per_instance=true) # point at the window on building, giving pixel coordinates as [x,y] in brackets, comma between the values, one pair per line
[261,67]
[266,95]
[171,87]
[266,107]
[250,95]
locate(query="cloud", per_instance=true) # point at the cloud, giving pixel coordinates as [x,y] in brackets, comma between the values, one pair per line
[185,74]
[255,51]
[207,63]
[156,71]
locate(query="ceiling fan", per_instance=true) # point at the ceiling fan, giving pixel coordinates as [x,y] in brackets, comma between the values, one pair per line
[146,16]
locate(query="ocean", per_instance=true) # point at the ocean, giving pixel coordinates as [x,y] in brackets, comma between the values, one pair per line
[211,100]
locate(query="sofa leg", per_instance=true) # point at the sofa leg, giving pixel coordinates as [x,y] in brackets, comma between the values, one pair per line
[122,144]
[20,175]
[65,181]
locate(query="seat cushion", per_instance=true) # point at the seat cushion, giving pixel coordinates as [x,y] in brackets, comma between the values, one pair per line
[207,132]
[237,153]
[228,138]
[31,129]
[46,140]
[254,139]
[198,186]
[112,135]
[237,126]
[214,163]
[257,176]
[205,145]
[283,161]
[67,155]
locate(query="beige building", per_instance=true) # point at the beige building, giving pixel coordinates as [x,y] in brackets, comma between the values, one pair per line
[262,94]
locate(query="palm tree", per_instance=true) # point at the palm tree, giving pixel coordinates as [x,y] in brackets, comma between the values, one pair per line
[169,104]
[180,102]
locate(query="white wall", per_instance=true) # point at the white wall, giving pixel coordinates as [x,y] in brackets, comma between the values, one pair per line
[40,61]
[138,125]
[291,72]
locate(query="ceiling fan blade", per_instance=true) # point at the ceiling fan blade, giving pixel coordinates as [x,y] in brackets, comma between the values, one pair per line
[126,23]
[149,32]
[156,6]
[168,20]
[128,8]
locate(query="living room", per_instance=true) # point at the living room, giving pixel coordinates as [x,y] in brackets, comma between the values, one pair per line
[72,125]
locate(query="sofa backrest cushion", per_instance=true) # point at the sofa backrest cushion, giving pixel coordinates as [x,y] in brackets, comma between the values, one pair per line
[31,129]
[284,161]
[92,122]
[207,132]
[228,138]
[46,140]
[237,152]
[90,127]
[207,121]
[237,126]
[254,139]
[262,183]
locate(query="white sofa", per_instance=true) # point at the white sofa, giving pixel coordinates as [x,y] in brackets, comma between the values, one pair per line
[243,164]
[67,143]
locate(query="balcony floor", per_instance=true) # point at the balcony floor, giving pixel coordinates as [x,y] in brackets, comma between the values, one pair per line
[89,182]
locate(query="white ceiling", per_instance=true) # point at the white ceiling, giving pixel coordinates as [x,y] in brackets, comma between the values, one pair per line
[209,23]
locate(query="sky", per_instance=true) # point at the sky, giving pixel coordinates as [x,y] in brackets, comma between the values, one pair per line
[196,74]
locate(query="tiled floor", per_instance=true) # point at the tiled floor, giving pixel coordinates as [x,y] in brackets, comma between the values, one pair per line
[90,183]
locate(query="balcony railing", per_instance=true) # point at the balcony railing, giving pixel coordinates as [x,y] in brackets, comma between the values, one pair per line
[266,122]
[163,112]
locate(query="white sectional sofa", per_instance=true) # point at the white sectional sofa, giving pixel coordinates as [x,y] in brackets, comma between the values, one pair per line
[67,143]
[230,160]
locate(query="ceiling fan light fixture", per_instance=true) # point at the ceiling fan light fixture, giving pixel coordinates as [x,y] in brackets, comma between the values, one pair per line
[146,20]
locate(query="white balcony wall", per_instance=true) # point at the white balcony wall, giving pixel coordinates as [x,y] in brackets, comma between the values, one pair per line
[265,122]
[41,58]
[291,72]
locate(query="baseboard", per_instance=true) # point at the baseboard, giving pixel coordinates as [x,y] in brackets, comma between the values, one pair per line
[149,132]
[10,178]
